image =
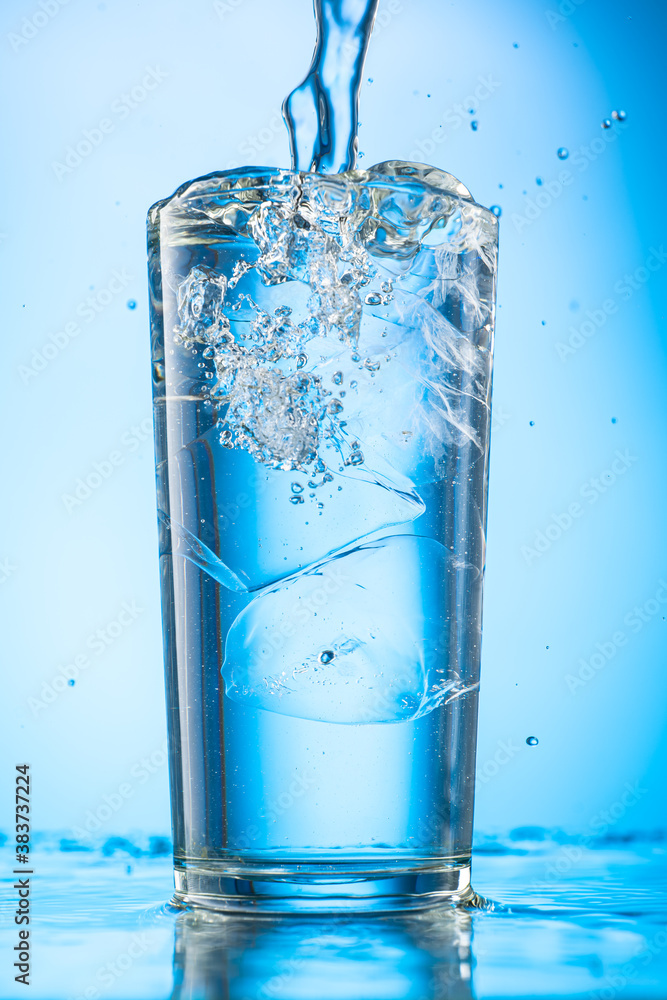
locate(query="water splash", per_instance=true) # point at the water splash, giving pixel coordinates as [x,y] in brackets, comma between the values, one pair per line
[321,114]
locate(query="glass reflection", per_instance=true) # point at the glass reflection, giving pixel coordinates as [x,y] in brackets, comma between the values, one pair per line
[411,956]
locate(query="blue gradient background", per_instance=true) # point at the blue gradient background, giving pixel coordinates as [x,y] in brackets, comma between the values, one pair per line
[228,68]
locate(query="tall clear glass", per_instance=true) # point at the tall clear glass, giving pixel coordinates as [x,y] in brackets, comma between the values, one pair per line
[322,355]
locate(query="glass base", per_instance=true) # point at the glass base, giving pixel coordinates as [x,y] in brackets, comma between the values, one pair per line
[294,888]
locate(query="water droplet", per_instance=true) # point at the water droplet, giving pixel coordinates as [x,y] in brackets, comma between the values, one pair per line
[497,211]
[515,45]
[296,500]
[474,124]
[538,180]
[370,79]
[619,116]
[606,123]
[297,487]
[320,506]
[613,420]
[355,357]
[335,406]
[373,299]
[532,423]
[532,741]
[131,304]
[71,682]
[353,384]
[337,378]
[340,489]
[562,152]
[326,656]
[302,361]
[370,365]
[544,322]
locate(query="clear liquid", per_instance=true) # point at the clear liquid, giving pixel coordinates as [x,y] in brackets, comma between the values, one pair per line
[322,418]
[322,112]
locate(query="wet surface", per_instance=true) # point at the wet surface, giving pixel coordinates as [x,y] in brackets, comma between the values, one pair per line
[568,919]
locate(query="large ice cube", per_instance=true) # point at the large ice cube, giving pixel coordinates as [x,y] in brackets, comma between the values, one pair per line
[362,638]
[416,388]
[237,520]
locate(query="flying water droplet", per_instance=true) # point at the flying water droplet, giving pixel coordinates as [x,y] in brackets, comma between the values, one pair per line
[606,123]
[297,488]
[337,378]
[619,116]
[532,423]
[326,656]
[563,152]
[532,741]
[497,210]
[474,124]
[131,304]
[296,499]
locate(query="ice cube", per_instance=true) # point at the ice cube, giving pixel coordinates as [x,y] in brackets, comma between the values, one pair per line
[362,638]
[233,517]
[410,399]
